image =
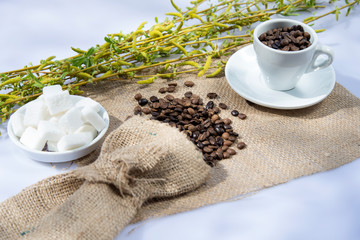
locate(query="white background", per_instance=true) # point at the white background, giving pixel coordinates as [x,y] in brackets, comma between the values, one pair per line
[322,206]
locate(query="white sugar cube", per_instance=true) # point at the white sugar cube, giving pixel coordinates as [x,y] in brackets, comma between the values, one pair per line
[35,111]
[88,102]
[50,130]
[93,118]
[32,139]
[52,146]
[58,102]
[87,128]
[71,120]
[17,123]
[72,141]
[49,90]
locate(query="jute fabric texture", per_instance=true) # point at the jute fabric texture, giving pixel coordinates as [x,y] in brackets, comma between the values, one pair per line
[138,161]
[281,145]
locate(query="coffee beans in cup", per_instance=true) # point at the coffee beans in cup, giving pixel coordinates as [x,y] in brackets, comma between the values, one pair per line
[292,38]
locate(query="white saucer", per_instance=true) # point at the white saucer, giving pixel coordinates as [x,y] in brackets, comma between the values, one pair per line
[244,77]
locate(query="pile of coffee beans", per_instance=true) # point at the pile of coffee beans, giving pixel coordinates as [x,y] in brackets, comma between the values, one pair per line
[201,122]
[292,38]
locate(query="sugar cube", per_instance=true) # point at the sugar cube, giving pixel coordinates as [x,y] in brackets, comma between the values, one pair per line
[74,140]
[17,123]
[49,90]
[58,102]
[93,118]
[52,146]
[71,120]
[50,130]
[88,102]
[32,139]
[35,111]
[87,128]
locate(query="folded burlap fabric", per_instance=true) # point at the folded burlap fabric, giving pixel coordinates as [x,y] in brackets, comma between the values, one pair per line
[140,160]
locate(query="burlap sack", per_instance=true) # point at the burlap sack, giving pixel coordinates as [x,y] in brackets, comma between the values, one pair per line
[281,145]
[140,160]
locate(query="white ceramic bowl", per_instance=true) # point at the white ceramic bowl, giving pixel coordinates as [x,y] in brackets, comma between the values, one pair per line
[60,156]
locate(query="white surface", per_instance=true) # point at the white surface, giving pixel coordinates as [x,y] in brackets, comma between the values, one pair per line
[82,142]
[321,206]
[244,76]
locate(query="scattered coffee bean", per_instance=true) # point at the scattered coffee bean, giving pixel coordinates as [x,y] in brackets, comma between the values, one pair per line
[189,83]
[188,94]
[137,110]
[154,99]
[235,113]
[143,101]
[171,89]
[138,96]
[292,38]
[222,105]
[212,95]
[241,145]
[169,97]
[146,110]
[172,84]
[231,151]
[242,116]
[162,90]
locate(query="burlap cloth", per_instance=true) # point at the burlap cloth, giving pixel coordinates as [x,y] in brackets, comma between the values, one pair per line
[281,144]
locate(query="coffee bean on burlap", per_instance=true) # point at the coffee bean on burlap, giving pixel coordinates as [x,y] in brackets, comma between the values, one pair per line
[189,83]
[138,96]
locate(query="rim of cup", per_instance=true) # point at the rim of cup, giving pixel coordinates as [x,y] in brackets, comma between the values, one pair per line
[284,23]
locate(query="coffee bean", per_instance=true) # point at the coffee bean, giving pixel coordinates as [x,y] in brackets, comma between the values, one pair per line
[228,143]
[154,99]
[169,97]
[191,111]
[222,105]
[207,150]
[212,95]
[189,83]
[143,101]
[146,110]
[232,138]
[227,121]
[200,145]
[209,105]
[235,113]
[188,94]
[162,90]
[224,147]
[137,110]
[226,155]
[242,116]
[138,96]
[172,84]
[225,135]
[241,145]
[231,151]
[214,118]
[171,89]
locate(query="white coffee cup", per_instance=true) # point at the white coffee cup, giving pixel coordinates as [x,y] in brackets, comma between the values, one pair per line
[282,70]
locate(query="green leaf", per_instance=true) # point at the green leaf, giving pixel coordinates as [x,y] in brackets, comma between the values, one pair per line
[90,52]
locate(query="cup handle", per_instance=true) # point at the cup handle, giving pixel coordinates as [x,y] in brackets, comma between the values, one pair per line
[321,50]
